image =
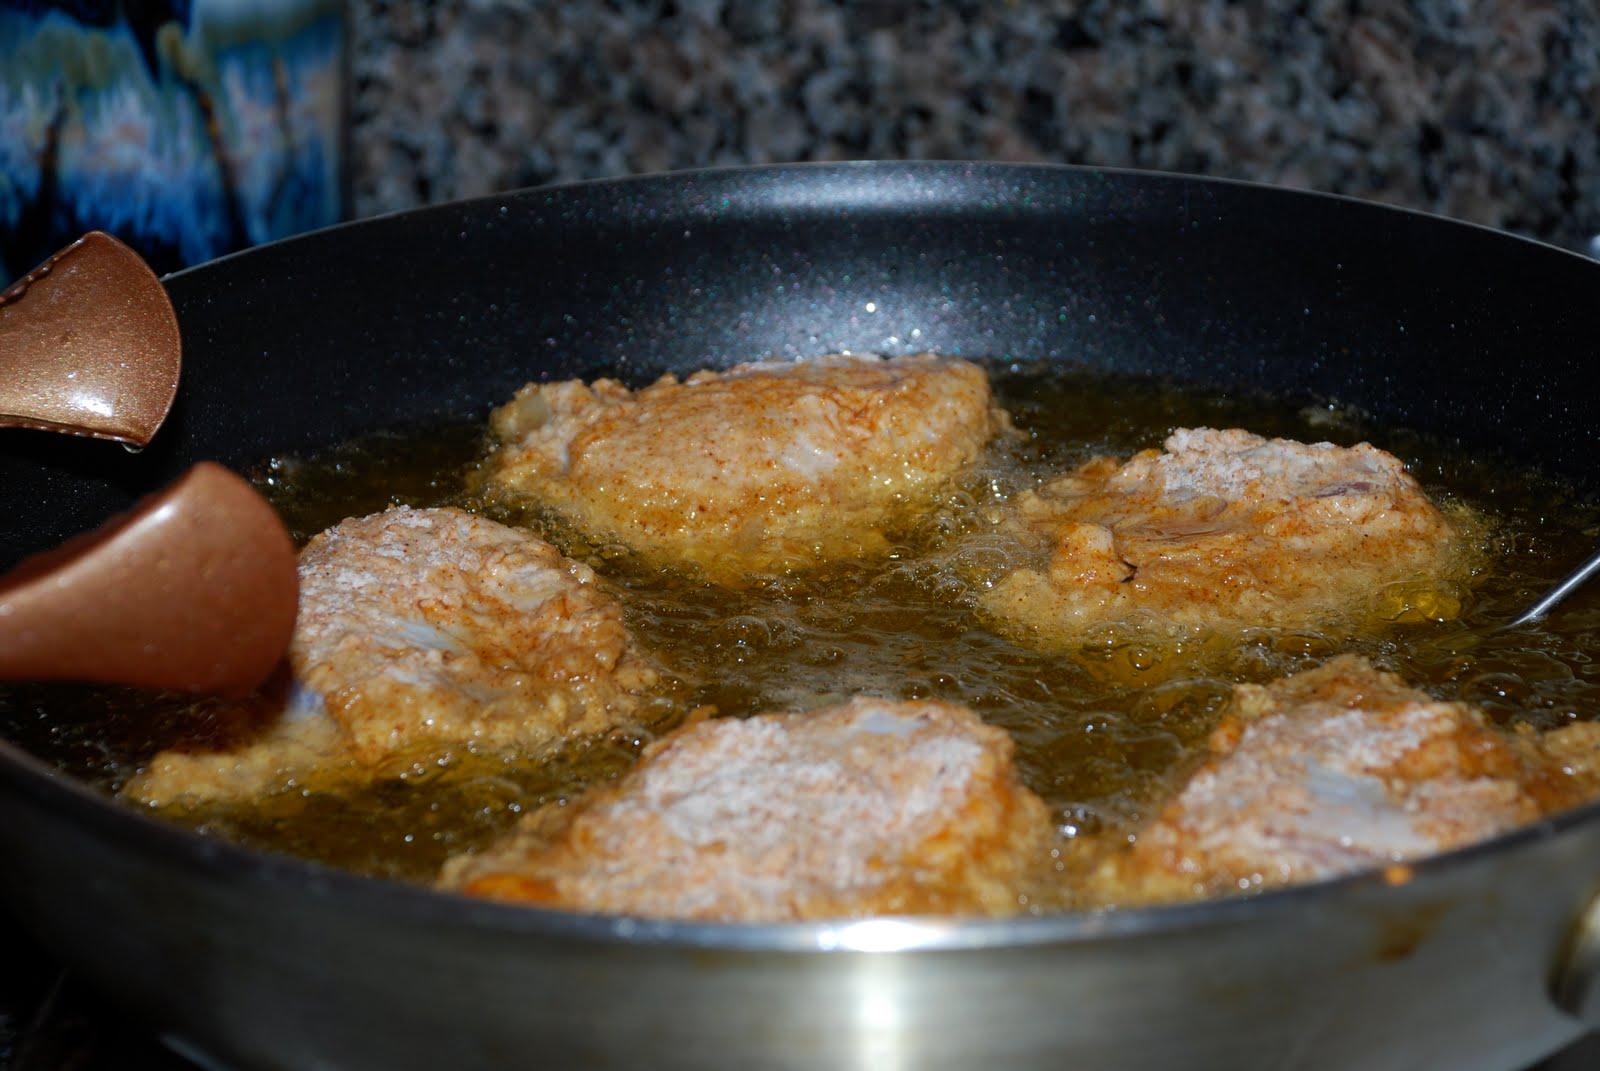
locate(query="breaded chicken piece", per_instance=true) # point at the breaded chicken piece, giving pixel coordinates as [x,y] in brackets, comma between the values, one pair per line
[1576,747]
[1336,770]
[870,807]
[422,631]
[762,467]
[1226,530]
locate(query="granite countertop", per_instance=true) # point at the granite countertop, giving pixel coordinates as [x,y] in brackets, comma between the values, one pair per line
[1484,110]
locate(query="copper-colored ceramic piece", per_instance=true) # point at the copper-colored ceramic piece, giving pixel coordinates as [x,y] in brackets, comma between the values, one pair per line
[193,590]
[89,345]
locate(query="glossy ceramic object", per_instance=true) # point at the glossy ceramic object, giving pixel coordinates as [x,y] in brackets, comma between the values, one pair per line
[89,345]
[194,590]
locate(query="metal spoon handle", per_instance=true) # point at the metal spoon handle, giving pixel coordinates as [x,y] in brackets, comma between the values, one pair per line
[1557,593]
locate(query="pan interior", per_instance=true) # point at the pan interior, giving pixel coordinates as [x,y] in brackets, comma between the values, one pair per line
[1429,336]
[1103,738]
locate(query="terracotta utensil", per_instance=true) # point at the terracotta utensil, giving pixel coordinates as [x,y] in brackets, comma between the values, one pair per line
[89,345]
[192,590]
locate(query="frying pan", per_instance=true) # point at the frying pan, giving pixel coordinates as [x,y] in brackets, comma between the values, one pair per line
[1478,959]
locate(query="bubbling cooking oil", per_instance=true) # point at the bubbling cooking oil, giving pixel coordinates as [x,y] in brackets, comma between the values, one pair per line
[1103,735]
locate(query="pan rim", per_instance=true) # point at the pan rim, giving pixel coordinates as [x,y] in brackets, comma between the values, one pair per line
[863,168]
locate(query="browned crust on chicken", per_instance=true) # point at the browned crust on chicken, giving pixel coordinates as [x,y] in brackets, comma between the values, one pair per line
[1225,530]
[759,468]
[871,807]
[419,632]
[1335,770]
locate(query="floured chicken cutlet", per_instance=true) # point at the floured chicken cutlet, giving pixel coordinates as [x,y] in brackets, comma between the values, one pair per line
[870,807]
[421,631]
[1226,530]
[762,467]
[1340,769]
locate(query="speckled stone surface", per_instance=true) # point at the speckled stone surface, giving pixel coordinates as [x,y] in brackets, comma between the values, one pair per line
[1484,110]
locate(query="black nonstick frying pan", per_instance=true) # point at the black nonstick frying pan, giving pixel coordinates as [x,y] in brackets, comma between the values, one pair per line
[1478,959]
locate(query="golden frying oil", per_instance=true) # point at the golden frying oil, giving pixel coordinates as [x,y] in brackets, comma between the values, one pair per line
[1100,736]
